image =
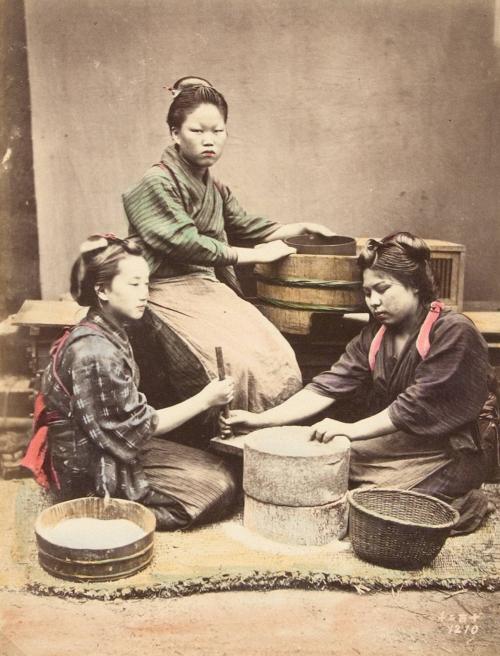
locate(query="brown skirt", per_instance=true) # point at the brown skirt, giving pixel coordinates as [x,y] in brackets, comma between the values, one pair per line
[205,313]
[188,486]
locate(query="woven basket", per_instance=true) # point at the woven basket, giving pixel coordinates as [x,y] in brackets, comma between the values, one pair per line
[397,528]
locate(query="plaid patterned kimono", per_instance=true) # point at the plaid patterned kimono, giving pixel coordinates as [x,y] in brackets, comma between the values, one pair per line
[186,226]
[103,440]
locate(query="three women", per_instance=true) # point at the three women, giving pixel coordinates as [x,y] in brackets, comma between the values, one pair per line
[430,421]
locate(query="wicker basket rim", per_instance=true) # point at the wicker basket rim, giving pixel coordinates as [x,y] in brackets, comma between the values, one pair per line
[351,498]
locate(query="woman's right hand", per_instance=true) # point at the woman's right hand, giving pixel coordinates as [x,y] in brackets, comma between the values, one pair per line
[218,392]
[240,422]
[272,251]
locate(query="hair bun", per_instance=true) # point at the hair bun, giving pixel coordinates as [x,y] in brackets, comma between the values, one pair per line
[416,247]
[93,243]
[80,286]
[98,263]
[187,82]
[374,245]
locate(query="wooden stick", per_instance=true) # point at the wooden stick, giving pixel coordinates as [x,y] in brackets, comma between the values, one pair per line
[220,362]
[222,375]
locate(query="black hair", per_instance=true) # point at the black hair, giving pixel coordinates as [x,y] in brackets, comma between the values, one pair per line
[98,264]
[182,83]
[191,97]
[406,258]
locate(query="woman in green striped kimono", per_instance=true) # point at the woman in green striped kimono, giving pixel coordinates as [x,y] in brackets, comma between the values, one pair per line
[187,223]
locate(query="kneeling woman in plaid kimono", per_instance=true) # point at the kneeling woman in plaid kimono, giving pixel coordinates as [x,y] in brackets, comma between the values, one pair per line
[94,431]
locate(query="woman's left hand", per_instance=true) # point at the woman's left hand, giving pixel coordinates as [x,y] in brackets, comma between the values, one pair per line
[288,230]
[327,429]
[316,229]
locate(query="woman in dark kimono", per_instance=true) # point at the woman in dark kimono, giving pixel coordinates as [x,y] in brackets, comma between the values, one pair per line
[187,223]
[95,433]
[421,373]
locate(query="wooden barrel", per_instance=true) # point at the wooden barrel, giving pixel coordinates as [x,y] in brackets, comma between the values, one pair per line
[295,490]
[95,564]
[297,286]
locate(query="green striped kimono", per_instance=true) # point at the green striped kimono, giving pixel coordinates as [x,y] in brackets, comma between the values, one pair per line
[186,227]
[185,224]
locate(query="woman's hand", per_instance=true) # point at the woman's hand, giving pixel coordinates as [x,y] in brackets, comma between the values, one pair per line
[218,392]
[295,229]
[239,422]
[316,229]
[268,251]
[272,251]
[327,429]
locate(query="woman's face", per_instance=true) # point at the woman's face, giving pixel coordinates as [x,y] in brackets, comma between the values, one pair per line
[127,294]
[388,300]
[202,136]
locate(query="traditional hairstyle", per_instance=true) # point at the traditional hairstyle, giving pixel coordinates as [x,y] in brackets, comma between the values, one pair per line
[98,264]
[189,98]
[188,81]
[406,258]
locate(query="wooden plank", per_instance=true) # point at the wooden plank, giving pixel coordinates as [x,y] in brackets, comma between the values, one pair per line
[461,282]
[15,384]
[233,446]
[49,313]
[487,323]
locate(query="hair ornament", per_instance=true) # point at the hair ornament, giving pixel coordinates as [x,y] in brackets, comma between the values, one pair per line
[99,241]
[374,245]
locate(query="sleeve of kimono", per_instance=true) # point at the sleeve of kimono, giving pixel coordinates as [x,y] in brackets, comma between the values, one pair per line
[349,373]
[241,225]
[450,384]
[155,211]
[107,405]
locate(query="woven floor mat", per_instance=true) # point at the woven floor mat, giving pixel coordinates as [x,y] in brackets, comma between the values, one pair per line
[226,556]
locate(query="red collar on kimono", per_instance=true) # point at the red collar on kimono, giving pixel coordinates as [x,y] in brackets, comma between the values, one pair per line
[37,457]
[423,344]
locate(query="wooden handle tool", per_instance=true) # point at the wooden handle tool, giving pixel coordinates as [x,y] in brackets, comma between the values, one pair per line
[222,375]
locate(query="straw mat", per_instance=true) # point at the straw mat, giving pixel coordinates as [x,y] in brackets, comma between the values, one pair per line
[226,556]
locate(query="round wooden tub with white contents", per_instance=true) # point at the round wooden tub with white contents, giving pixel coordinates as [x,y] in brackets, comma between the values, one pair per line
[79,555]
[295,489]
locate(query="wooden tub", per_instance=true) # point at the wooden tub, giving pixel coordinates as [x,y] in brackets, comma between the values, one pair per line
[95,564]
[320,277]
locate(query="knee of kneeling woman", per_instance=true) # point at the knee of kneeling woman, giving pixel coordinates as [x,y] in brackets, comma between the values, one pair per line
[220,495]
[224,488]
[227,481]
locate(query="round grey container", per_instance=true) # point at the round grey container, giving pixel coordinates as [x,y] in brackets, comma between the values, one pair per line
[295,489]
